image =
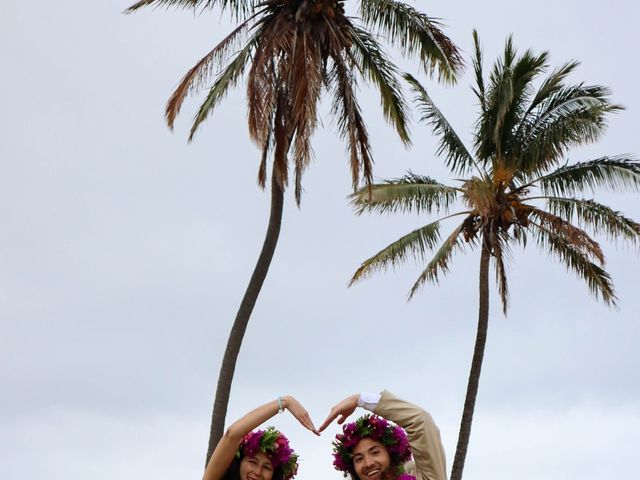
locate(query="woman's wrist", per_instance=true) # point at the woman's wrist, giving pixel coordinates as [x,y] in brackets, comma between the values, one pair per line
[284,401]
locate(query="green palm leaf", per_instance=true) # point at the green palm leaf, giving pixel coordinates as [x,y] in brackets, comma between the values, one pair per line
[439,264]
[612,173]
[506,98]
[228,78]
[409,193]
[479,89]
[416,34]
[552,84]
[378,68]
[572,116]
[457,157]
[414,244]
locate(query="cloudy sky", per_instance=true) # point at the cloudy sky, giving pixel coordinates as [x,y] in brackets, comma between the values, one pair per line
[125,252]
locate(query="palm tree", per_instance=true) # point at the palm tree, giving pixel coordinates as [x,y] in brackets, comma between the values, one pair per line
[516,185]
[294,49]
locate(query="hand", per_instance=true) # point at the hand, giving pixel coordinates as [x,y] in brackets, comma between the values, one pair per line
[342,409]
[298,411]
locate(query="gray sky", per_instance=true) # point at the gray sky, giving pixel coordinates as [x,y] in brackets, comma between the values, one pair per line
[126,251]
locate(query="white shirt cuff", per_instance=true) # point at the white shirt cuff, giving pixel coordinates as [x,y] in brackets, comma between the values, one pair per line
[369,401]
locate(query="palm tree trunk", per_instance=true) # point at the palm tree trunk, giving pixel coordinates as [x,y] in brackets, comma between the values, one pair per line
[476,366]
[242,317]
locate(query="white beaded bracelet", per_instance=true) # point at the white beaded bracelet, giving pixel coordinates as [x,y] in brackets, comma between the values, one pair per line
[280,407]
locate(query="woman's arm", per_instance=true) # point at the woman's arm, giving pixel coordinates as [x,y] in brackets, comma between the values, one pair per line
[228,445]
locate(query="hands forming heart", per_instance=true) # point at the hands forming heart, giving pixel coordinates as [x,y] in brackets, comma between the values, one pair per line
[262,447]
[341,411]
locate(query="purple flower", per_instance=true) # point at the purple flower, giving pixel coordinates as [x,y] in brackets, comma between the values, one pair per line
[275,445]
[405,476]
[251,443]
[339,463]
[377,428]
[349,429]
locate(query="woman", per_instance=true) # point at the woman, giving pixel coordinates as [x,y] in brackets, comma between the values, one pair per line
[371,448]
[242,454]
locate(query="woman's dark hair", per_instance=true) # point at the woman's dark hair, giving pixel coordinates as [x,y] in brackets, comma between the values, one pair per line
[233,472]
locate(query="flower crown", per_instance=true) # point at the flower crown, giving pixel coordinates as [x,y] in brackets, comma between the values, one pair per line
[275,446]
[377,428]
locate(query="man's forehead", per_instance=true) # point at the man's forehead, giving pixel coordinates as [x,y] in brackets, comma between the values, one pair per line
[366,444]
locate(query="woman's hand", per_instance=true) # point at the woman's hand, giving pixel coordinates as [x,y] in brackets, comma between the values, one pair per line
[342,410]
[298,411]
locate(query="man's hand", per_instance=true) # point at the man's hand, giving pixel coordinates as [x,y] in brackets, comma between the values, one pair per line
[341,410]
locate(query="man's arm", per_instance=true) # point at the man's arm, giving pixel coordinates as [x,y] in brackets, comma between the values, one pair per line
[424,435]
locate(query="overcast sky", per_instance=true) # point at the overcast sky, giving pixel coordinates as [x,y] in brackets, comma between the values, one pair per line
[125,252]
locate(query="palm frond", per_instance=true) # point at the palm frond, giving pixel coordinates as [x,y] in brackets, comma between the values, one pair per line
[552,84]
[228,78]
[550,87]
[237,7]
[572,235]
[194,79]
[613,173]
[378,68]
[597,279]
[262,169]
[510,87]
[499,96]
[572,116]
[597,217]
[479,89]
[457,157]
[500,250]
[520,235]
[525,70]
[439,264]
[265,79]
[350,122]
[304,81]
[414,244]
[409,193]
[416,34]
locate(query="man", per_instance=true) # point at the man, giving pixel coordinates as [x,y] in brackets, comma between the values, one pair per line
[373,449]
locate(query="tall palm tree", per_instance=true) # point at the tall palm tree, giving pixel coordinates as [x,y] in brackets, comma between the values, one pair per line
[517,185]
[293,49]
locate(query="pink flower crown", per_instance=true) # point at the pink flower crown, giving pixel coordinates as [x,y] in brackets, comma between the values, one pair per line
[377,428]
[275,446]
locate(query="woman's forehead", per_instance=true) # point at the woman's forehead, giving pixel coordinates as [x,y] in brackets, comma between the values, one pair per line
[262,457]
